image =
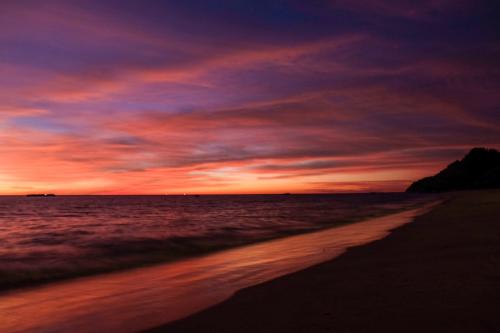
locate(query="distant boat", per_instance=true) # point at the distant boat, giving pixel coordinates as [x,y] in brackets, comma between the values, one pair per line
[41,195]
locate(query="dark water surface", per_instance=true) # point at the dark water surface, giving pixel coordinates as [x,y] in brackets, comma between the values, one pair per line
[137,299]
[50,238]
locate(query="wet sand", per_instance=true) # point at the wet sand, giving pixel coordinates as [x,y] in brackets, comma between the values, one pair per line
[438,274]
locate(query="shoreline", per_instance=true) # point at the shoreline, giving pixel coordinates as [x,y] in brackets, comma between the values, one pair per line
[12,281]
[119,302]
[439,273]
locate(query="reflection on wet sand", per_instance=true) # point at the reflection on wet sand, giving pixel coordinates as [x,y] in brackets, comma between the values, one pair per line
[142,298]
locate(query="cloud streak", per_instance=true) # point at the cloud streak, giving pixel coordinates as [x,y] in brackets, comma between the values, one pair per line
[246,98]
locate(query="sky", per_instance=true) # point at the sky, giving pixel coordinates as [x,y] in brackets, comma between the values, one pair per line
[200,96]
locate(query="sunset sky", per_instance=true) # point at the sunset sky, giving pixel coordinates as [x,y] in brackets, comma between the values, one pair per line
[170,97]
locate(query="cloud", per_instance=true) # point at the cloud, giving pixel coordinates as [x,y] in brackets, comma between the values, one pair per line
[241,97]
[404,9]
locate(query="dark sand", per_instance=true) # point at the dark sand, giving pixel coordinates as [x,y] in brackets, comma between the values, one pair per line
[439,273]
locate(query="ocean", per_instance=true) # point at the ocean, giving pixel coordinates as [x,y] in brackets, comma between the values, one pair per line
[50,238]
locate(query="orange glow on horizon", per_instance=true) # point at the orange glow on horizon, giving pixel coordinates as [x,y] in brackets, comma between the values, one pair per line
[95,102]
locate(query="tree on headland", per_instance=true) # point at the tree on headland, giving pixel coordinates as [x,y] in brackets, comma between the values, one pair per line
[479,169]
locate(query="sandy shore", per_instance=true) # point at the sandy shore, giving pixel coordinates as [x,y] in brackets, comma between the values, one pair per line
[440,273]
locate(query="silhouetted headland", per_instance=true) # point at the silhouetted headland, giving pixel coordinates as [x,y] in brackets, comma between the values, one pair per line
[479,169]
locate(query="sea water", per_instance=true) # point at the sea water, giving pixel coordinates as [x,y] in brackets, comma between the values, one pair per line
[48,238]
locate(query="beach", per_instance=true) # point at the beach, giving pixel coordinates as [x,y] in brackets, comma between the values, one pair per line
[249,166]
[439,273]
[137,299]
